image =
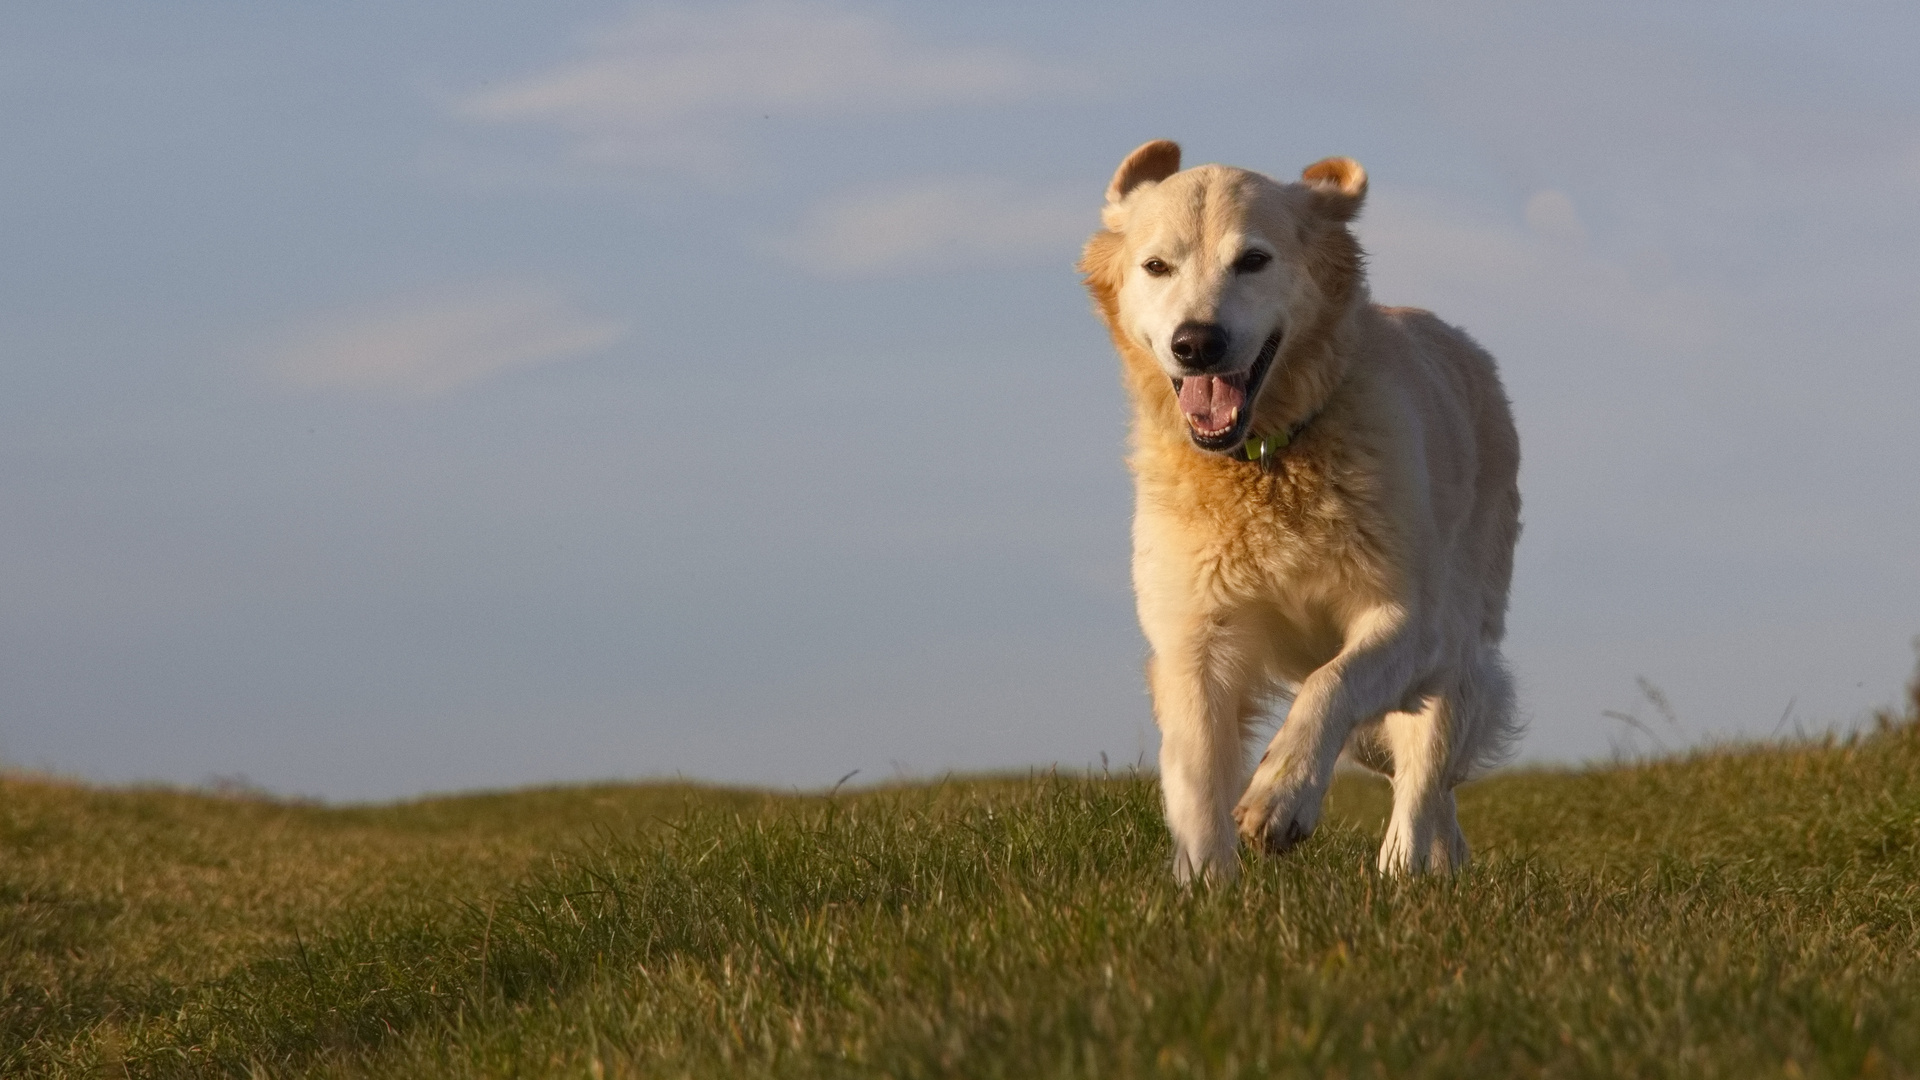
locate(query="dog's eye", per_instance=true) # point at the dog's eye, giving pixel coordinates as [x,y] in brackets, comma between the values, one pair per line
[1251,262]
[1156,267]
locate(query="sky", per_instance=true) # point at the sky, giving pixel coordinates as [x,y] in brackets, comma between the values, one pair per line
[414,396]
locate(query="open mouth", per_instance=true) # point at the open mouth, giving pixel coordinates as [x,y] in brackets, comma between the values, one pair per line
[1219,408]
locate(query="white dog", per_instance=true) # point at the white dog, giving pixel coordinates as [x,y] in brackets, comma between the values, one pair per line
[1326,509]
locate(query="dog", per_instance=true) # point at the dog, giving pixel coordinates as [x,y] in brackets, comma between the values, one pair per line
[1326,507]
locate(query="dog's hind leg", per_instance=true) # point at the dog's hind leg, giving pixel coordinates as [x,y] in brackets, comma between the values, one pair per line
[1423,833]
[1470,725]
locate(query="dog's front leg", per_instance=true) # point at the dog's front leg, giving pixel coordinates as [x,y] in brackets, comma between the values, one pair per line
[1198,713]
[1371,675]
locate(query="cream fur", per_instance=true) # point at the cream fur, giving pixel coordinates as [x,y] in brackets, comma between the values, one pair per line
[1363,571]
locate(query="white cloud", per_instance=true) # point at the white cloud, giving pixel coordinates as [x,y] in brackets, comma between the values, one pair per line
[666,87]
[939,222]
[425,345]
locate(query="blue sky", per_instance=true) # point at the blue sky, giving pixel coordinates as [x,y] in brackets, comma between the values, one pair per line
[414,396]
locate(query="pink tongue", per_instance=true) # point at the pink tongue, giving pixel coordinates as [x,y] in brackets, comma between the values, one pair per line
[1209,401]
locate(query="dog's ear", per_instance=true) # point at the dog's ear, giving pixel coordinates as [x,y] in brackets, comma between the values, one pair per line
[1150,164]
[1338,184]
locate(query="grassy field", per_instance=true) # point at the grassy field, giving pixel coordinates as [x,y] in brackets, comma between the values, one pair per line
[1742,913]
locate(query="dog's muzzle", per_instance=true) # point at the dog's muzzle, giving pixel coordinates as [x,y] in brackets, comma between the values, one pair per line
[1219,408]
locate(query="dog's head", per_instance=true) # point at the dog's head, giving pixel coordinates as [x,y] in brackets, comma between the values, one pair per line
[1209,271]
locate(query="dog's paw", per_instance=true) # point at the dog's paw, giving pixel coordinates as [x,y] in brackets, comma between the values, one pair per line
[1276,821]
[1399,854]
[1431,847]
[1215,868]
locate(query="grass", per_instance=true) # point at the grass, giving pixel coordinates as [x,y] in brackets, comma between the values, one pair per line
[1745,912]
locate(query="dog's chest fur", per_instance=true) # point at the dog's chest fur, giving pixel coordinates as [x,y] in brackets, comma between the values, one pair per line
[1306,526]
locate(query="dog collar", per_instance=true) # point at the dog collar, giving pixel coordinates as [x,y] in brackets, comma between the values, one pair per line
[1262,448]
[1258,447]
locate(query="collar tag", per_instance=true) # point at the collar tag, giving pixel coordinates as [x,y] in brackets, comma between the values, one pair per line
[1258,447]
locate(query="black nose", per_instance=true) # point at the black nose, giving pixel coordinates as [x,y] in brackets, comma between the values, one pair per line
[1199,346]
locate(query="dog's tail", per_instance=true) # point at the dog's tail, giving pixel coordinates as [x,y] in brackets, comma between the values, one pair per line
[1487,724]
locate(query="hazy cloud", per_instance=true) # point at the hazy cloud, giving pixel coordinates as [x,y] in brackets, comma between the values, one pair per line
[939,222]
[1551,214]
[666,86]
[425,345]
[1465,263]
